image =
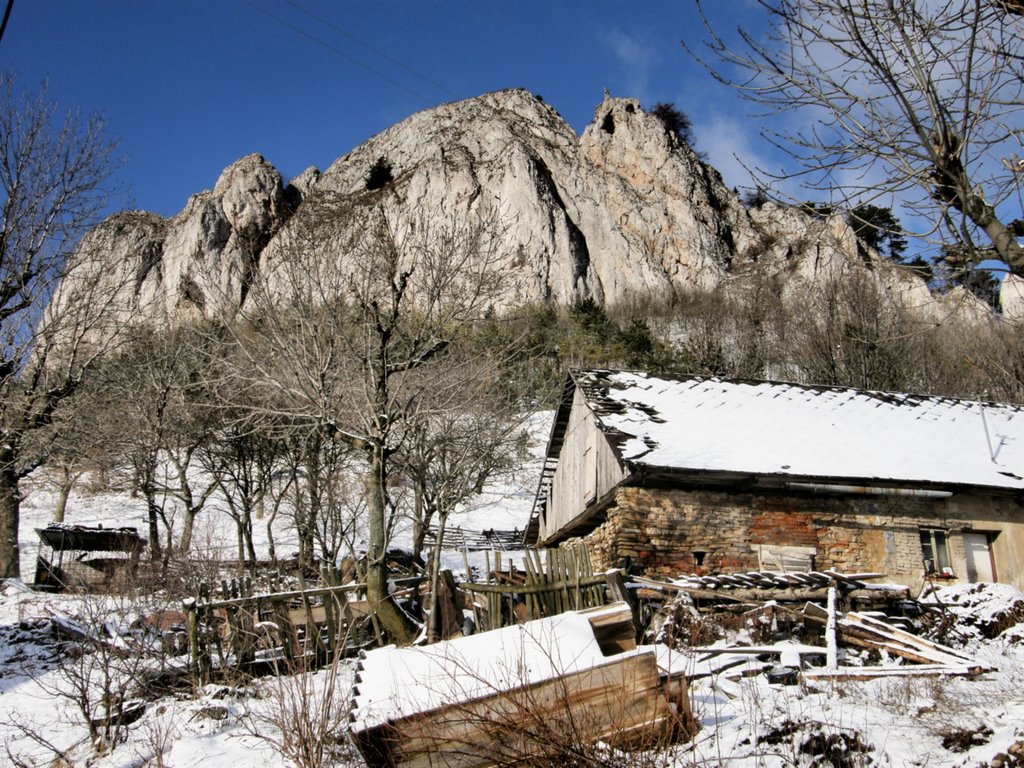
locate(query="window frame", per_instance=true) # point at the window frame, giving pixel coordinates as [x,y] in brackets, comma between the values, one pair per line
[935,550]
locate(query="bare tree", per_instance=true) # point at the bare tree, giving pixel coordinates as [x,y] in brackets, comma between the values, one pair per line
[154,408]
[852,333]
[463,435]
[337,338]
[241,458]
[320,468]
[55,175]
[72,444]
[906,98]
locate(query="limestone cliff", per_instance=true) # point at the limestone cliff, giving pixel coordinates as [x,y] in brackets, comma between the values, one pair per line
[623,210]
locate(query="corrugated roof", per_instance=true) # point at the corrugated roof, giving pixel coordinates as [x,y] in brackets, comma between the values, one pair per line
[770,428]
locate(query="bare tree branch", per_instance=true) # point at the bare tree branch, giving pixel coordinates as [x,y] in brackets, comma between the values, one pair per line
[906,98]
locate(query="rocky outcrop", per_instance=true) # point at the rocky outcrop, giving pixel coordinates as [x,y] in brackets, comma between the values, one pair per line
[1011,297]
[201,261]
[624,210]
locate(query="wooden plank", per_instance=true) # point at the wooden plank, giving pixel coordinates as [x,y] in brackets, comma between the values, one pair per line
[832,656]
[902,644]
[300,616]
[619,702]
[617,590]
[796,594]
[613,628]
[291,595]
[758,650]
[535,588]
[874,673]
[905,637]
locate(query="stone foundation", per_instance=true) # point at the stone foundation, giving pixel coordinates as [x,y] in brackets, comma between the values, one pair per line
[672,532]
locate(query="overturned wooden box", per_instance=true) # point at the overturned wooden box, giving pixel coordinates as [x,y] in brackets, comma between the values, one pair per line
[531,690]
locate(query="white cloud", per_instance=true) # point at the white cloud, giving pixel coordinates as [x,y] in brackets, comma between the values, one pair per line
[734,146]
[637,58]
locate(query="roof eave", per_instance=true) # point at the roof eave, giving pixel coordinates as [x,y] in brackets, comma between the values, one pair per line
[642,473]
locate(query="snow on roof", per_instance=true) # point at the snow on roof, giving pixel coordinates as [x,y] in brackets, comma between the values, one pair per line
[768,428]
[399,682]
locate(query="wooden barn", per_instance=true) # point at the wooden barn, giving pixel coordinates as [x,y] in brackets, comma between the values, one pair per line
[705,475]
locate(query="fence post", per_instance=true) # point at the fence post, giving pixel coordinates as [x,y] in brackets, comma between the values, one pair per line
[618,591]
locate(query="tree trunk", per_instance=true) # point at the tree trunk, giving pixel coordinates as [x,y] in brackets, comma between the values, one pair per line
[250,548]
[435,577]
[1005,243]
[394,621]
[186,530]
[422,515]
[954,187]
[271,547]
[10,512]
[240,541]
[191,509]
[67,483]
[153,515]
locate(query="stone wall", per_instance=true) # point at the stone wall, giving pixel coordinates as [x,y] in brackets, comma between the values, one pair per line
[671,532]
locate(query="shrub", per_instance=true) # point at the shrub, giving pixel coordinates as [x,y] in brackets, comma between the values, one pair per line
[379,175]
[676,122]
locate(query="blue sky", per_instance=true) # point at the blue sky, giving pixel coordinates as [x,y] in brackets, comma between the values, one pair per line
[190,86]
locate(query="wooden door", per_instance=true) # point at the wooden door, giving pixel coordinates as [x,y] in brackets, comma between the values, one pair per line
[980,566]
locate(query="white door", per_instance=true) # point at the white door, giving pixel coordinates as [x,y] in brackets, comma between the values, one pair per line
[979,557]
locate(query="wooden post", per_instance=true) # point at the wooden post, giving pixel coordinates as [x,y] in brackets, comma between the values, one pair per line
[284,629]
[832,651]
[618,591]
[192,628]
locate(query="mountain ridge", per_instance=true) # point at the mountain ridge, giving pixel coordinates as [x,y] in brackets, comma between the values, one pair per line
[623,210]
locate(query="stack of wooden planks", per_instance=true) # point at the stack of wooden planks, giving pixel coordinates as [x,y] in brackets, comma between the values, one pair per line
[762,586]
[928,658]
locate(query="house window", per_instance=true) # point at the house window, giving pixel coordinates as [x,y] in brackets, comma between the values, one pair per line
[935,551]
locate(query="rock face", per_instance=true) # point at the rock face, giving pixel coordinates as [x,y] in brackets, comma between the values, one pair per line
[624,210]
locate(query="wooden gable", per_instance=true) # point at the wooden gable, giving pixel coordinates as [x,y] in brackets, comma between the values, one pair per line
[586,470]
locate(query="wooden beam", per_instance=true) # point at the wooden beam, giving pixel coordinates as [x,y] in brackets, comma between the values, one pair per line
[531,589]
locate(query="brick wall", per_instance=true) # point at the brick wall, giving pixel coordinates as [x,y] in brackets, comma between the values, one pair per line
[672,532]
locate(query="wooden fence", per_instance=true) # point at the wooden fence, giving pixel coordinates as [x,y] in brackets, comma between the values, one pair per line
[298,628]
[457,537]
[562,580]
[241,630]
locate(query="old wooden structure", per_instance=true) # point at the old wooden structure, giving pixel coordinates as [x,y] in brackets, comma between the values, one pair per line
[234,628]
[706,475]
[549,583]
[522,692]
[86,558]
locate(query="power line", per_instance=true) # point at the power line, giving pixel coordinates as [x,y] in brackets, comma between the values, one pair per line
[338,52]
[387,57]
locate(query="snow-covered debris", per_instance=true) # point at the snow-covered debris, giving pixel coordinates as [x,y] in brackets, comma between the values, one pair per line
[984,609]
[406,681]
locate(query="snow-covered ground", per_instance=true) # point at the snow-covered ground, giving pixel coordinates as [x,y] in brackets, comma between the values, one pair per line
[745,721]
[38,716]
[899,721]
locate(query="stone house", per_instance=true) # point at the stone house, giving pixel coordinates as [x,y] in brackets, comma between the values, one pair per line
[701,475]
